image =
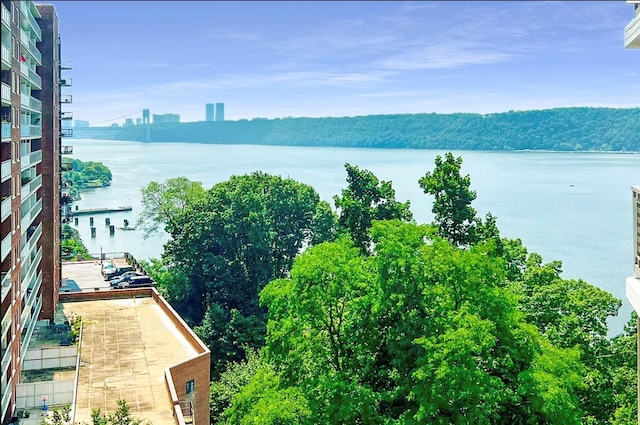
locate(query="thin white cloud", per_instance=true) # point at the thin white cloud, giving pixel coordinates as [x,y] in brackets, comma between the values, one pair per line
[444,56]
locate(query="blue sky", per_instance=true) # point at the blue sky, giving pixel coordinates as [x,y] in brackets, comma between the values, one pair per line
[314,59]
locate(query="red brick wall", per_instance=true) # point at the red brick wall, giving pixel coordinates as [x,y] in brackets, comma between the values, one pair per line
[198,370]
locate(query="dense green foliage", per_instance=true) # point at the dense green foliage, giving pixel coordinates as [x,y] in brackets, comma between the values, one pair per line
[420,332]
[85,175]
[364,316]
[71,244]
[163,202]
[227,245]
[366,199]
[563,129]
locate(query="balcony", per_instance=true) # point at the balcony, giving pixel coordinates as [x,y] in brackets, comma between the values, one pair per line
[5,246]
[6,17]
[632,30]
[67,98]
[6,170]
[6,208]
[30,266]
[66,150]
[6,356]
[30,20]
[6,287]
[66,82]
[66,115]
[30,131]
[65,66]
[66,132]
[30,160]
[6,131]
[28,218]
[30,75]
[6,397]
[33,50]
[6,93]
[6,57]
[30,102]
[31,187]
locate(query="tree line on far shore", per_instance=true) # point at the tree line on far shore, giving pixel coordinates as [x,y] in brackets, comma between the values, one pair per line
[359,314]
[559,129]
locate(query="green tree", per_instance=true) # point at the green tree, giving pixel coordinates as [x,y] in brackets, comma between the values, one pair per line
[121,416]
[572,313]
[235,376]
[366,199]
[263,401]
[418,332]
[454,216]
[163,202]
[622,361]
[245,232]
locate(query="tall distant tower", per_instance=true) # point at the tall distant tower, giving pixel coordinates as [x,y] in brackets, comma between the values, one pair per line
[210,108]
[145,116]
[219,111]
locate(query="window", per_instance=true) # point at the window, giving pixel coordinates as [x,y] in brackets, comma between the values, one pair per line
[191,386]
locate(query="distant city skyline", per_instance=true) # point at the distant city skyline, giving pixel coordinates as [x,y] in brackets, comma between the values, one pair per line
[316,59]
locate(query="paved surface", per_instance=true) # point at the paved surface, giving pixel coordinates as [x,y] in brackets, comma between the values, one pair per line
[124,352]
[85,275]
[126,345]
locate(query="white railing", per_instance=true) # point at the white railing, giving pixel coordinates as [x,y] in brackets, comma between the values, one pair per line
[6,16]
[6,284]
[30,159]
[6,169]
[27,130]
[31,187]
[30,102]
[632,33]
[35,288]
[6,357]
[30,75]
[6,54]
[6,397]
[6,130]
[6,208]
[32,324]
[6,92]
[33,50]
[24,38]
[29,216]
[34,24]
[32,241]
[6,246]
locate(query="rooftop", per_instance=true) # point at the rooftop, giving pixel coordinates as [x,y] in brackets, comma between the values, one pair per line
[126,345]
[130,338]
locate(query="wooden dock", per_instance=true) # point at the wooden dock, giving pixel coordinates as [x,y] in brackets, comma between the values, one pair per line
[101,210]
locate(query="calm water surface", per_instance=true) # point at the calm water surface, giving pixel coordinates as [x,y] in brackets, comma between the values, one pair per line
[573,207]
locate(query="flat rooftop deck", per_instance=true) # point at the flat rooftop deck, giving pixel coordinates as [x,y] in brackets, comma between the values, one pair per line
[126,345]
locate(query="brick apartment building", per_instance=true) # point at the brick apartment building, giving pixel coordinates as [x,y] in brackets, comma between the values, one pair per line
[30,228]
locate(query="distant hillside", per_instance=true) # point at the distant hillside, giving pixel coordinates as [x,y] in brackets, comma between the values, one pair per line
[562,129]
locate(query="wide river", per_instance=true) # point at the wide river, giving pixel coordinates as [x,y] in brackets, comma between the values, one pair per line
[573,207]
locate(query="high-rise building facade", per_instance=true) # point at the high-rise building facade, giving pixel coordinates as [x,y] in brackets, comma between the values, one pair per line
[30,186]
[632,30]
[219,111]
[210,112]
[632,41]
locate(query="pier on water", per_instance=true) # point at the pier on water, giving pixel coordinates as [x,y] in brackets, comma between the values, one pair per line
[101,210]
